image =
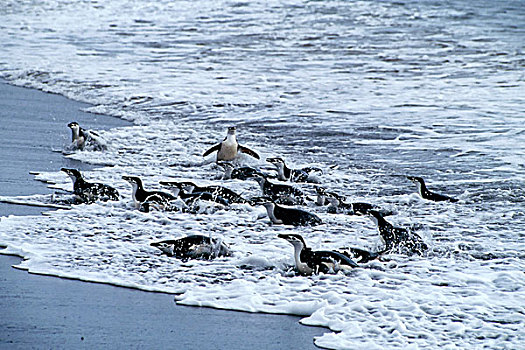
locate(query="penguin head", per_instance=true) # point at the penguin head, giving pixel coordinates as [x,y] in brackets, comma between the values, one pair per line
[416,179]
[294,239]
[231,130]
[73,125]
[164,247]
[187,186]
[74,174]
[133,180]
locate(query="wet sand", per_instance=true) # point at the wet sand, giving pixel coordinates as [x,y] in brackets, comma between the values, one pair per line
[55,313]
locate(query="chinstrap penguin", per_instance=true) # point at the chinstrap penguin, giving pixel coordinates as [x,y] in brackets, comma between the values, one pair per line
[288,216]
[140,195]
[216,191]
[242,173]
[355,208]
[85,139]
[88,192]
[294,175]
[322,195]
[189,195]
[280,193]
[229,147]
[425,193]
[309,262]
[397,239]
[193,247]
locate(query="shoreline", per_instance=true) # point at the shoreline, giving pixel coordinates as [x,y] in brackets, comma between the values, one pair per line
[55,312]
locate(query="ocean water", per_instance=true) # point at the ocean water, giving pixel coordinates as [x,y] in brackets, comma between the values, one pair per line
[371,91]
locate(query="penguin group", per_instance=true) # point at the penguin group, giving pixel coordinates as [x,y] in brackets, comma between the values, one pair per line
[278,194]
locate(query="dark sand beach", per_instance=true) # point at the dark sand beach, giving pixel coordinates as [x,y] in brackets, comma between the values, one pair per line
[53,313]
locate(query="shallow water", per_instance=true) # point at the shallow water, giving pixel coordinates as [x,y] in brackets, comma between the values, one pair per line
[380,89]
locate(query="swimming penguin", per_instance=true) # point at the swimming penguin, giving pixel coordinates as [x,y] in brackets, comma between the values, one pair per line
[140,195]
[322,193]
[189,195]
[194,247]
[309,261]
[426,194]
[289,216]
[82,138]
[280,193]
[242,173]
[88,192]
[217,191]
[360,255]
[294,175]
[356,208]
[396,238]
[229,147]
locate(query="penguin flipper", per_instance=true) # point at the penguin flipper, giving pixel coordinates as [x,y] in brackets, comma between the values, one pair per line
[249,152]
[211,150]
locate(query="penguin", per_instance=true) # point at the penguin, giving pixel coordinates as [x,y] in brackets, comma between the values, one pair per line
[229,147]
[220,192]
[87,192]
[309,262]
[322,193]
[357,208]
[360,255]
[193,247]
[82,138]
[289,216]
[190,197]
[396,238]
[280,193]
[293,175]
[242,173]
[426,194]
[140,195]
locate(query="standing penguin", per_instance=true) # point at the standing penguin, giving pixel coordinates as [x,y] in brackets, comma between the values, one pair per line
[85,139]
[229,147]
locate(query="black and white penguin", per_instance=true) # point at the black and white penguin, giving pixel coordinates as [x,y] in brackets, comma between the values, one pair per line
[357,208]
[288,216]
[397,239]
[189,195]
[140,195]
[280,193]
[194,247]
[310,262]
[242,173]
[360,255]
[322,195]
[294,175]
[216,191]
[426,194]
[88,192]
[229,147]
[82,138]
